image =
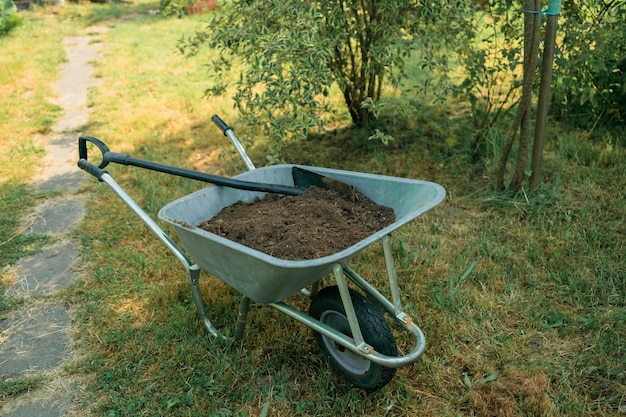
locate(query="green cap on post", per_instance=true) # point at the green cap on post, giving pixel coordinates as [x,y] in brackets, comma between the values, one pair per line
[554,8]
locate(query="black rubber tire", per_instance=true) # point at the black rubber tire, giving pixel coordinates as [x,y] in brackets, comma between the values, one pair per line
[360,372]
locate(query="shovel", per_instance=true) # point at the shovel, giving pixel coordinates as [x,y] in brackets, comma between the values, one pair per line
[302,178]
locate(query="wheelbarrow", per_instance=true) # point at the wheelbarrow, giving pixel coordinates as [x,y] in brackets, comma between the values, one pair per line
[350,326]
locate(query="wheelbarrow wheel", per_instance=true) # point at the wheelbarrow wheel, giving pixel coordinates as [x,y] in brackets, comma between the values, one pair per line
[327,307]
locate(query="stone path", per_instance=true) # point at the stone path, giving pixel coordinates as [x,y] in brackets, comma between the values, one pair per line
[35,341]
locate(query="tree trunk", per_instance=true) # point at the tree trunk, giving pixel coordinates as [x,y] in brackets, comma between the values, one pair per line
[520,169]
[544,92]
[532,27]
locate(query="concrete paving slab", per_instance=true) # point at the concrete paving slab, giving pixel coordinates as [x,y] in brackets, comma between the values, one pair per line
[51,400]
[34,341]
[58,170]
[50,408]
[69,179]
[64,147]
[62,150]
[75,80]
[58,216]
[46,272]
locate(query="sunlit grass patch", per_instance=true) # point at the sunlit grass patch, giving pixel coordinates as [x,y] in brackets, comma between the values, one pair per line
[29,64]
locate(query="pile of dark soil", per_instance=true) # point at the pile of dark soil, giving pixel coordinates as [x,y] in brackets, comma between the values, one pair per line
[318,223]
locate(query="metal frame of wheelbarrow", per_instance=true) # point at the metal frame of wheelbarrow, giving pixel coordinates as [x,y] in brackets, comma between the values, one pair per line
[340,271]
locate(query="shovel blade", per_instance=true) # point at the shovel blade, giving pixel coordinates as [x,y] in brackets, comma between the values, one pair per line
[304,179]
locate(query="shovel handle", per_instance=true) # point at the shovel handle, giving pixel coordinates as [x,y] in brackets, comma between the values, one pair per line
[108,156]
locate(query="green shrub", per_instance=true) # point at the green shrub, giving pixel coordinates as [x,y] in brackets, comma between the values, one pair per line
[9,19]
[296,52]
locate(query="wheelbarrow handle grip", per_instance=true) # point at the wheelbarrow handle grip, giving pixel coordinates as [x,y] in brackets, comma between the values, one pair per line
[91,168]
[221,124]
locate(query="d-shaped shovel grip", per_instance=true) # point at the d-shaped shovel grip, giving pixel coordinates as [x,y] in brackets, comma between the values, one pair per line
[83,162]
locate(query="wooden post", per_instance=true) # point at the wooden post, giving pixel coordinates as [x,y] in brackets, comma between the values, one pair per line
[554,9]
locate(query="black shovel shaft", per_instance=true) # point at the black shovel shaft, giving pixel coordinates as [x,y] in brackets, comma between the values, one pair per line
[108,157]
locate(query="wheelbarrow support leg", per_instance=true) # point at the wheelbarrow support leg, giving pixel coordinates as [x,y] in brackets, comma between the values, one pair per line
[244,306]
[393,307]
[393,279]
[350,313]
[194,281]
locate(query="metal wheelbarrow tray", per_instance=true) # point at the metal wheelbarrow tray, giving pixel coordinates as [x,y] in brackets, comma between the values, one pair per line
[264,278]
[349,327]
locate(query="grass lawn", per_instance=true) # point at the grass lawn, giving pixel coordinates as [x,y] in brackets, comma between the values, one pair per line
[522,297]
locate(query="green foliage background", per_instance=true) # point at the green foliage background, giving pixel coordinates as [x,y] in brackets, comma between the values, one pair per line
[590,72]
[291,54]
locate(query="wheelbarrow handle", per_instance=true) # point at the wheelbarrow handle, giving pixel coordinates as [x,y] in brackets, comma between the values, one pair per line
[228,132]
[221,124]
